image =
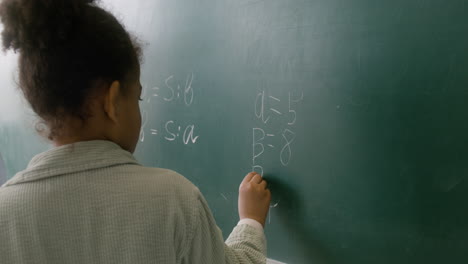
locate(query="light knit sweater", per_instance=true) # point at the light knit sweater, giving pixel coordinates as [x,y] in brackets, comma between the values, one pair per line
[91,202]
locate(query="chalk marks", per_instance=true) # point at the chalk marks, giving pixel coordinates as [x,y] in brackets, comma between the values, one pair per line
[260,107]
[224,196]
[144,121]
[268,110]
[286,153]
[172,131]
[175,91]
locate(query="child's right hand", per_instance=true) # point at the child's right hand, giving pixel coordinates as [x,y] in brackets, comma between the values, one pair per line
[254,198]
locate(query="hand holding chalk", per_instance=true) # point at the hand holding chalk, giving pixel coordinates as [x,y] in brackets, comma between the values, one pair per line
[254,198]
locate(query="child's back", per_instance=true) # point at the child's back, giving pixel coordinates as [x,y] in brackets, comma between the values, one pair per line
[93,203]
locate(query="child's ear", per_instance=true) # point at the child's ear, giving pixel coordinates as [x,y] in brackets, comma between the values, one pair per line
[111,100]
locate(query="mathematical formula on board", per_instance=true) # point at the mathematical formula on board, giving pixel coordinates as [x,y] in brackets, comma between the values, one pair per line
[271,111]
[172,90]
[269,108]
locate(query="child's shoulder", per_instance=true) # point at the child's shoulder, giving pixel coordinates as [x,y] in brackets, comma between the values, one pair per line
[160,182]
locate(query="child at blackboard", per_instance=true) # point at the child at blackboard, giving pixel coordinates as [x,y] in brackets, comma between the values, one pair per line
[88,200]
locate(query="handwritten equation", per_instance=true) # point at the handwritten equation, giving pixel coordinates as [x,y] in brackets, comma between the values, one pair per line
[172,91]
[269,109]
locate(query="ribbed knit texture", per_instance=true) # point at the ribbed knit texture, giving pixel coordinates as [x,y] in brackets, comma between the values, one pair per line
[91,202]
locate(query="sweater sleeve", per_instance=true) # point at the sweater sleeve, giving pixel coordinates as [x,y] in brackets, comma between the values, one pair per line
[246,244]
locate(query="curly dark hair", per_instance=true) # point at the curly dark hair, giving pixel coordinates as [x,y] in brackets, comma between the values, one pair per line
[67,48]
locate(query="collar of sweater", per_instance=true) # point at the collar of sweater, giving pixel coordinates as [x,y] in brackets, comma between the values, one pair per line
[72,158]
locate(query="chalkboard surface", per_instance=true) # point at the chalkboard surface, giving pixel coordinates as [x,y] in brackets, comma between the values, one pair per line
[355,110]
[3,173]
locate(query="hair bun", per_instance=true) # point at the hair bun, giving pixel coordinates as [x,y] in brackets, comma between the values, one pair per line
[40,24]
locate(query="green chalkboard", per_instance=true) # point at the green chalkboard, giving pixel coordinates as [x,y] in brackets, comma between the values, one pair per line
[3,172]
[355,110]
